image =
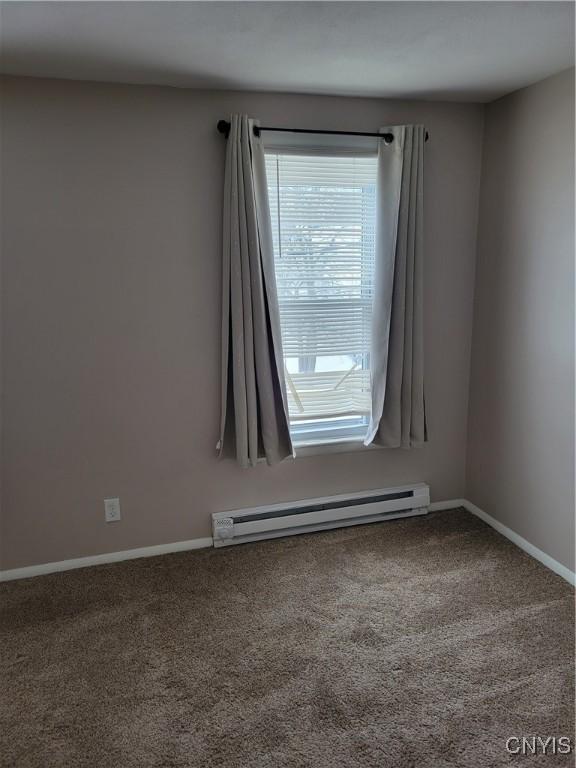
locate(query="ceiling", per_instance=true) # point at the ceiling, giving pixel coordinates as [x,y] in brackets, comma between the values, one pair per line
[461,51]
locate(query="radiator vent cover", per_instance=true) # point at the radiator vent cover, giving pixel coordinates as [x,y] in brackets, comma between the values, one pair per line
[243,525]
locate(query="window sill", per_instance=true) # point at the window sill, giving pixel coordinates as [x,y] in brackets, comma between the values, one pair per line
[334,446]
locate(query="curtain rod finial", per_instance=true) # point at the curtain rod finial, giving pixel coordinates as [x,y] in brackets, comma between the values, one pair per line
[223,127]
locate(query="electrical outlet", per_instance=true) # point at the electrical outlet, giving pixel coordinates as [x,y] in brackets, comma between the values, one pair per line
[112,510]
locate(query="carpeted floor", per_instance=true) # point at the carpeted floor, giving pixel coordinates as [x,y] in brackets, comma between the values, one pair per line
[419,643]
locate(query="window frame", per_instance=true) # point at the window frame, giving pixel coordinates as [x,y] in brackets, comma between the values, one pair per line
[312,441]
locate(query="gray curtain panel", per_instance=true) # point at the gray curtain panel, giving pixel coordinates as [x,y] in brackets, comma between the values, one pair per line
[398,414]
[254,416]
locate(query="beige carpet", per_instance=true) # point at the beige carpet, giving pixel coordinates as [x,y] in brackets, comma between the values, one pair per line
[422,643]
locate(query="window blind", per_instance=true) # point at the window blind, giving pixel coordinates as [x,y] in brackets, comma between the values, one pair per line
[323,211]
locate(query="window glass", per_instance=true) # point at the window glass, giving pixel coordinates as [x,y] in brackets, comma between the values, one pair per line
[323,211]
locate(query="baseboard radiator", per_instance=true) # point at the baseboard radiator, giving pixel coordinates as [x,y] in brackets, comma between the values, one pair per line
[243,525]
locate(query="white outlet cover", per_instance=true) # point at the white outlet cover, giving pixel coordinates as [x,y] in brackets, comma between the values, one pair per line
[112,510]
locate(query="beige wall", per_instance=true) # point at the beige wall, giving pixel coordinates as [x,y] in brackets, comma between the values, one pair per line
[111,224]
[521,447]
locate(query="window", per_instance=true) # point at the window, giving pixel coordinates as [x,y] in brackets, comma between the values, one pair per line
[323,211]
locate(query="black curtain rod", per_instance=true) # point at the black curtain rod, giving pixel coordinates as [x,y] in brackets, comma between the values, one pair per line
[224,128]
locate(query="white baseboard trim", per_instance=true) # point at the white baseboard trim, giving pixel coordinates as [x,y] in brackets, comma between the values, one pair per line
[184,546]
[438,506]
[108,557]
[514,537]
